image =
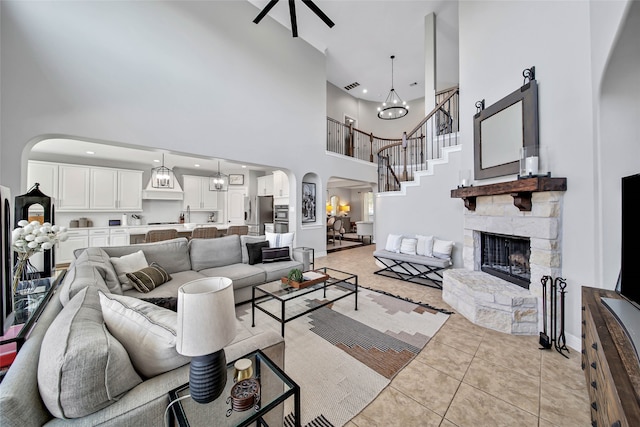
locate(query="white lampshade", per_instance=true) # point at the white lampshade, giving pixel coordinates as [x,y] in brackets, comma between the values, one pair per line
[206,316]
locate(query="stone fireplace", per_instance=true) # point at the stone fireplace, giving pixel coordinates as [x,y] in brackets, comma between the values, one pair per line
[524,243]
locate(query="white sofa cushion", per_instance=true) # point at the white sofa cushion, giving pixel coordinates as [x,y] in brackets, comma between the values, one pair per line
[442,248]
[128,264]
[424,246]
[408,246]
[393,243]
[82,367]
[147,331]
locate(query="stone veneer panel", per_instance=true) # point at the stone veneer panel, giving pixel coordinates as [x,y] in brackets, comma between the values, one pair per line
[491,302]
[497,214]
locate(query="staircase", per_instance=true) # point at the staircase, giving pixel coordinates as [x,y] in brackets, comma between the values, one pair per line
[400,159]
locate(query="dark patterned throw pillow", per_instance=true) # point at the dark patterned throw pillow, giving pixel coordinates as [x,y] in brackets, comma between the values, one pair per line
[275,254]
[148,278]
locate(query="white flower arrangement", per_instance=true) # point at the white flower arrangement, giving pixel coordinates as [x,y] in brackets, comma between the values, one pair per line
[32,237]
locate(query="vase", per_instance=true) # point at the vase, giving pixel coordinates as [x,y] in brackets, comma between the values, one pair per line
[25,277]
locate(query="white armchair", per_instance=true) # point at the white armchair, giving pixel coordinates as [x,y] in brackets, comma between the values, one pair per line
[364,228]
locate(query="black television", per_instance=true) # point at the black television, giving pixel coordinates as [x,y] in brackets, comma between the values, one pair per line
[628,281]
[627,309]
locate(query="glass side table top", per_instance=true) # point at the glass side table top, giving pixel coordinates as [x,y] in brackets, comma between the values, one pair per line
[275,388]
[30,299]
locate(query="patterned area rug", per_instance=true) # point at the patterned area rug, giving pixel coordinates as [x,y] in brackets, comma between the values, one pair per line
[343,358]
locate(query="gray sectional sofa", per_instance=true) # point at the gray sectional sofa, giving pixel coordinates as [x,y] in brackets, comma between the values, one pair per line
[40,365]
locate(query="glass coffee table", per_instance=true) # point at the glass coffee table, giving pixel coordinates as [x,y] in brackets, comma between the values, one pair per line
[275,388]
[281,301]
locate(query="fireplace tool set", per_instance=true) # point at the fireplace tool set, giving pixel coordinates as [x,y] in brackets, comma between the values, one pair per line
[556,340]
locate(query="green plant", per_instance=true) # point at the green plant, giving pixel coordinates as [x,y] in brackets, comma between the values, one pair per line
[295,275]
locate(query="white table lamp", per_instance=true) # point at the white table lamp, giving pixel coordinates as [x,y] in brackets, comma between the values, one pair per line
[206,324]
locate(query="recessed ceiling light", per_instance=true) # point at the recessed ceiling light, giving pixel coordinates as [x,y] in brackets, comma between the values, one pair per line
[91,152]
[197,165]
[364,91]
[244,166]
[156,161]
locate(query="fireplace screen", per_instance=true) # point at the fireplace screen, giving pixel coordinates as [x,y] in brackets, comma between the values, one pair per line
[507,257]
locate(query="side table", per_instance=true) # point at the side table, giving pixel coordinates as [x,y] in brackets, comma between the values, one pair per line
[27,308]
[275,388]
[307,252]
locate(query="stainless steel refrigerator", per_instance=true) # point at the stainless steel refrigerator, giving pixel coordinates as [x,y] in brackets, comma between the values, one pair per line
[264,211]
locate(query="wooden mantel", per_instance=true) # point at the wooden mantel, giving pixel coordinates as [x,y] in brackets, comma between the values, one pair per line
[520,190]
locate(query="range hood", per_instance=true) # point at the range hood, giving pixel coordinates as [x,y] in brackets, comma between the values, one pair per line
[151,193]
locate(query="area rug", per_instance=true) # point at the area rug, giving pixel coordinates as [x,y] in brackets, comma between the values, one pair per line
[343,358]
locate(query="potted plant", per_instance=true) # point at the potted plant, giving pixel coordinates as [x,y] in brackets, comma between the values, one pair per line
[295,275]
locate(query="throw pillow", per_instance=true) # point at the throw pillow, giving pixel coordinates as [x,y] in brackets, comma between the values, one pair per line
[244,239]
[442,248]
[82,367]
[147,331]
[170,303]
[254,251]
[275,255]
[127,264]
[408,246]
[393,243]
[279,240]
[148,278]
[424,246]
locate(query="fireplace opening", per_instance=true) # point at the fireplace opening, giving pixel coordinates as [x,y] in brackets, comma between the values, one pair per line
[506,257]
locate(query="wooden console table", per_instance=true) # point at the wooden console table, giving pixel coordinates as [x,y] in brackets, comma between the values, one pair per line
[520,190]
[610,365]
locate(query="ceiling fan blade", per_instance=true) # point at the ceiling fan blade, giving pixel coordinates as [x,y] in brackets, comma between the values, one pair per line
[294,20]
[266,10]
[311,5]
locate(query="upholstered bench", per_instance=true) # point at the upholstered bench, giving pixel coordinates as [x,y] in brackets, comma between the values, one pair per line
[419,259]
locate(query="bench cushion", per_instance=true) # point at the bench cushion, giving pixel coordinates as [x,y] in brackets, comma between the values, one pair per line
[413,259]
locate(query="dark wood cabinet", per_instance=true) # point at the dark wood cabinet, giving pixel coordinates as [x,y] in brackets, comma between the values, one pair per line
[610,365]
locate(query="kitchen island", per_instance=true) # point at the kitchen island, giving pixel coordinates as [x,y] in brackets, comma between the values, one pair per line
[119,235]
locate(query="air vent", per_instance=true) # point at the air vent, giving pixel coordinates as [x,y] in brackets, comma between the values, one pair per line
[352,86]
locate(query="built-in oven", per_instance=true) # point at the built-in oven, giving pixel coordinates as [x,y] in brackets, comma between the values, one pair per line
[281,218]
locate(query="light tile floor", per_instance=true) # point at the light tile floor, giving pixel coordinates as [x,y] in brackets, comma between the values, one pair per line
[469,376]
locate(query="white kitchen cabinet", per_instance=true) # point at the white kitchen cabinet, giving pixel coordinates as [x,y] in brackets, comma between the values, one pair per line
[197,195]
[88,188]
[98,238]
[76,239]
[280,184]
[104,189]
[119,237]
[73,188]
[265,185]
[116,190]
[129,190]
[46,174]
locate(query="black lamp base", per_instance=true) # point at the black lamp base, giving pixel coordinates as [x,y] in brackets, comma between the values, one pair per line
[208,376]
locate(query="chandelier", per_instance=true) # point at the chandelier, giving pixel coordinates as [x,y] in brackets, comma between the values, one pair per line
[162,177]
[219,181]
[393,107]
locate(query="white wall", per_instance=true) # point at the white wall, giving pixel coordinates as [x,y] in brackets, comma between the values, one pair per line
[194,77]
[426,209]
[618,148]
[527,33]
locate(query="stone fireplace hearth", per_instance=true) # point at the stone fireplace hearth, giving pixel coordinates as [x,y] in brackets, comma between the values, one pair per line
[488,300]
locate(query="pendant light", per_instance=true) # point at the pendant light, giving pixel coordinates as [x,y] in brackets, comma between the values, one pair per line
[393,107]
[219,181]
[162,177]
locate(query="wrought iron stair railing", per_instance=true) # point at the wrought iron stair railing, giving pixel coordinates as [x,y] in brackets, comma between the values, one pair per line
[399,160]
